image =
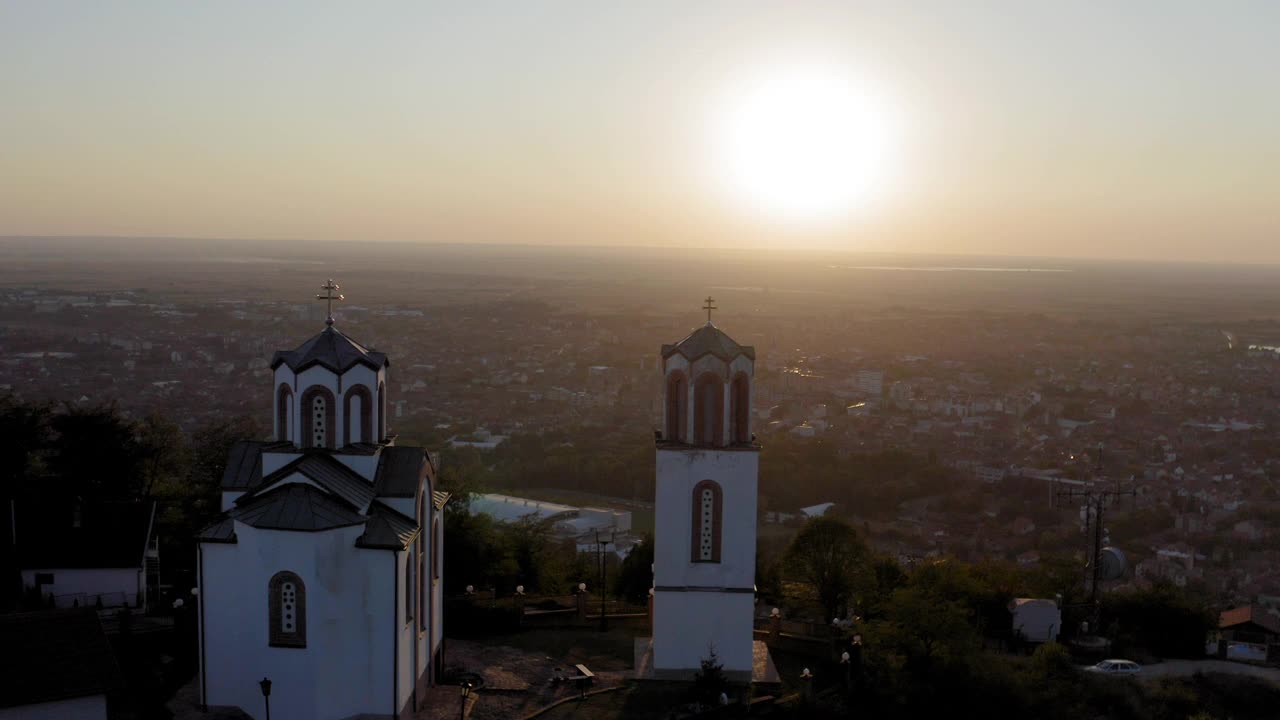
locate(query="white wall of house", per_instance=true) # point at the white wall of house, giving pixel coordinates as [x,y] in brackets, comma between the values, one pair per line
[116,585]
[93,707]
[353,617]
[1037,620]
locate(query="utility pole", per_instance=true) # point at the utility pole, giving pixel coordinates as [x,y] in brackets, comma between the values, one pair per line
[1095,499]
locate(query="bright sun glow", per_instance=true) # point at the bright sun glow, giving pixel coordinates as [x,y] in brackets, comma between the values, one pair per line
[806,144]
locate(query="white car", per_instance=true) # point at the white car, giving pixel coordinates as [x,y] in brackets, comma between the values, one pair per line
[1116,667]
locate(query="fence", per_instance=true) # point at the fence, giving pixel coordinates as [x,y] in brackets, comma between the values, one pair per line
[486,610]
[105,600]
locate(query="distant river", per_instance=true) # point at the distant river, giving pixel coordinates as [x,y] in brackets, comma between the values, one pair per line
[934,268]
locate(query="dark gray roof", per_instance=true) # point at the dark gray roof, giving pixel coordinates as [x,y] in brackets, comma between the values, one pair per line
[399,471]
[708,340]
[244,465]
[325,471]
[223,531]
[297,507]
[108,534]
[55,655]
[387,529]
[330,349]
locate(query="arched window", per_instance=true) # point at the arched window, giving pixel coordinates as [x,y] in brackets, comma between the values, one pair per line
[382,412]
[707,503]
[740,409]
[423,586]
[408,589]
[358,413]
[284,398]
[317,417]
[286,611]
[708,410]
[677,404]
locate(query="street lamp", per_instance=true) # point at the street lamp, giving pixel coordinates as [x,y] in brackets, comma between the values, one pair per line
[600,545]
[466,693]
[265,684]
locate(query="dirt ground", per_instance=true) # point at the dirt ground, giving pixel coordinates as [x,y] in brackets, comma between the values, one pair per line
[519,671]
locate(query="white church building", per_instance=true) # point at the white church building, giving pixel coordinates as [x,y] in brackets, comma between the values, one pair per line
[323,574]
[705,507]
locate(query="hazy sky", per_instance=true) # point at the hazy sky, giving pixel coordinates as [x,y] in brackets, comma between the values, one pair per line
[1129,129]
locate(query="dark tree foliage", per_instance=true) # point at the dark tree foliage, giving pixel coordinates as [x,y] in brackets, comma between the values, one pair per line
[828,554]
[635,575]
[95,454]
[1163,621]
[710,681]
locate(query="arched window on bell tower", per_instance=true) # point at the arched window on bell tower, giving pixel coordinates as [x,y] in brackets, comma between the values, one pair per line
[284,400]
[707,503]
[317,411]
[381,400]
[358,413]
[740,409]
[708,410]
[677,406]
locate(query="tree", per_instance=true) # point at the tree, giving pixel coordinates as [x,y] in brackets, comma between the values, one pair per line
[828,553]
[710,679]
[635,576]
[95,454]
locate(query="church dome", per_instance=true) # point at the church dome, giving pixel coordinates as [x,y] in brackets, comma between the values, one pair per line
[708,340]
[332,350]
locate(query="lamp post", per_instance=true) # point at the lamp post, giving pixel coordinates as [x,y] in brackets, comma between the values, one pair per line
[600,545]
[265,684]
[466,693]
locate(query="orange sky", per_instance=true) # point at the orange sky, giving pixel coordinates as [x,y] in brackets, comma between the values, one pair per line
[1146,130]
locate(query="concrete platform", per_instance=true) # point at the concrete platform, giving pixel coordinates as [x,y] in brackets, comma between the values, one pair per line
[763,671]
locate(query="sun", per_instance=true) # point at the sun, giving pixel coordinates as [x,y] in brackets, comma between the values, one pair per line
[805,143]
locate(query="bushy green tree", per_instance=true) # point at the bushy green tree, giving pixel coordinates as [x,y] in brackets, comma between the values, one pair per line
[828,554]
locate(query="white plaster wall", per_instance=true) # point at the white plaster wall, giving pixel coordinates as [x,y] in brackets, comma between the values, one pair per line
[365,465]
[91,582]
[407,630]
[686,624]
[347,667]
[404,506]
[677,472]
[229,498]
[93,707]
[273,461]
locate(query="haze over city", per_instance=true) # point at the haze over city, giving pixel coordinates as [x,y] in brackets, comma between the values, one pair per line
[642,361]
[1142,130]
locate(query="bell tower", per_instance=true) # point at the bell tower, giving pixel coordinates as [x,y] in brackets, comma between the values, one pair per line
[705,506]
[330,392]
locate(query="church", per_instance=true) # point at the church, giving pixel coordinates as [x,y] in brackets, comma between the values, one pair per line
[705,512]
[323,573]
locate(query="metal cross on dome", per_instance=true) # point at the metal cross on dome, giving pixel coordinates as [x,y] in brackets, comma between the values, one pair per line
[329,297]
[709,307]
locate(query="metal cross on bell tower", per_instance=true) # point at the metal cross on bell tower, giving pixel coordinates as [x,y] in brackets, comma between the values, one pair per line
[329,297]
[709,307]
